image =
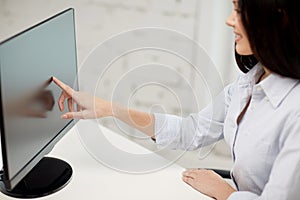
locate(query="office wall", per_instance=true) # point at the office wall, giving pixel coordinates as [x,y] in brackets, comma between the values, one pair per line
[202,21]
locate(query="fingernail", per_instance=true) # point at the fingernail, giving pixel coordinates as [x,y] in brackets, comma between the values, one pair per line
[64,116]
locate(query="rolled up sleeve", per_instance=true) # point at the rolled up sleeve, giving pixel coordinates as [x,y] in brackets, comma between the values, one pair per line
[196,130]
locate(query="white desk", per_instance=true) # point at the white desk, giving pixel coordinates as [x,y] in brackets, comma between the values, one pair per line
[94,181]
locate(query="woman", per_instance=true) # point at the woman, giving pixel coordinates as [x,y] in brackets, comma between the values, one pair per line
[258,115]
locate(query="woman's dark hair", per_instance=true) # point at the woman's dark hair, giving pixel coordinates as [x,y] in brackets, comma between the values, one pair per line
[273,30]
[245,63]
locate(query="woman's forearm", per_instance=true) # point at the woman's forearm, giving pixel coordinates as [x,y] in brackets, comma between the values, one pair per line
[142,121]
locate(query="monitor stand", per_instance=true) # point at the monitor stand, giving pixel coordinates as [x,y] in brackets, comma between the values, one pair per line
[47,177]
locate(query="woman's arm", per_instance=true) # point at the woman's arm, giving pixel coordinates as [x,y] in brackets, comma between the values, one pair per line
[187,133]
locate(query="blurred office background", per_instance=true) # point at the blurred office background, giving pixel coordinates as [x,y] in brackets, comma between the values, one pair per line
[97,20]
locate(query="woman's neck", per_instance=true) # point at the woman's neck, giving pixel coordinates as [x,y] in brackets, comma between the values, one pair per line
[266,73]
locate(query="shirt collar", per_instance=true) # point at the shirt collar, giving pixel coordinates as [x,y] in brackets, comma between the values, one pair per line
[277,87]
[251,77]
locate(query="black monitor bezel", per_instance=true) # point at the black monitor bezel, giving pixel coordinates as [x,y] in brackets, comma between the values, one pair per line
[9,182]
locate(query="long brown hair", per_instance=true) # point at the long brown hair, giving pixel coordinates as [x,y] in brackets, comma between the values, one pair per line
[273,29]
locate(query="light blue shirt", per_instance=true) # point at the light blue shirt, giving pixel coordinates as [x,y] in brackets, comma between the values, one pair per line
[265,145]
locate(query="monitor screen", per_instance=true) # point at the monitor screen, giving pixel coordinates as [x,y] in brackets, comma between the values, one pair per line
[30,123]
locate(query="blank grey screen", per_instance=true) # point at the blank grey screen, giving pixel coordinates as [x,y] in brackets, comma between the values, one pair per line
[31,117]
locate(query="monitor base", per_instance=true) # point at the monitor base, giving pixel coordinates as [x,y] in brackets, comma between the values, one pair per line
[48,176]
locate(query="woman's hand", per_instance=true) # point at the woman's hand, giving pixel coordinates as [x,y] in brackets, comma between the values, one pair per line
[88,106]
[208,182]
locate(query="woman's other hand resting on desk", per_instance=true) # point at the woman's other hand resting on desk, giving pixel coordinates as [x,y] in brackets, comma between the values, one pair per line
[208,182]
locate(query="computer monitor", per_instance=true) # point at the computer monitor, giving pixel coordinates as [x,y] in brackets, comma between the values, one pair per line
[30,118]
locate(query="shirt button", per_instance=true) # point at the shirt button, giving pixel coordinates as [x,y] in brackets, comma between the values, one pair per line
[267,99]
[258,88]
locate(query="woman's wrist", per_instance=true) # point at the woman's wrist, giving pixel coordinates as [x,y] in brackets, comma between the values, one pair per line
[104,108]
[116,110]
[224,192]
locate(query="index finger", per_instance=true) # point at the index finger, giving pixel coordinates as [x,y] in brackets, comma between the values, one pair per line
[63,86]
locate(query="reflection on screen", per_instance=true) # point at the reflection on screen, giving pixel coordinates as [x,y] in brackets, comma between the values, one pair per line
[28,61]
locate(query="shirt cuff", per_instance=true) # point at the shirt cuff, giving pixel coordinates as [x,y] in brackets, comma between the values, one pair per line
[242,195]
[167,128]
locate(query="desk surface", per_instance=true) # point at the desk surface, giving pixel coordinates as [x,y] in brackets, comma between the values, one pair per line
[92,180]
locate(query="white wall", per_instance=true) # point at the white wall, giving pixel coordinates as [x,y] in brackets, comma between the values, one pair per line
[97,20]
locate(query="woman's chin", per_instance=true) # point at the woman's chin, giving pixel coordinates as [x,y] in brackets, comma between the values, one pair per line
[243,51]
